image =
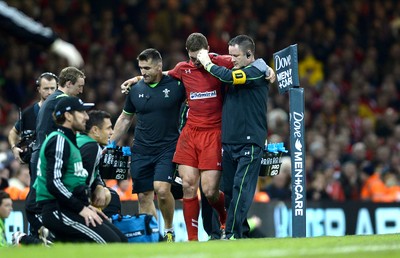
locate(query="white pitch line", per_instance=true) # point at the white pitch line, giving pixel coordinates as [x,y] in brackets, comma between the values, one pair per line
[288,253]
[322,251]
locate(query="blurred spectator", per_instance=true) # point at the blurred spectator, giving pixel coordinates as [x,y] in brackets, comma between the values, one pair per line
[317,188]
[350,181]
[123,189]
[18,184]
[261,196]
[169,21]
[4,175]
[333,186]
[278,122]
[382,186]
[311,69]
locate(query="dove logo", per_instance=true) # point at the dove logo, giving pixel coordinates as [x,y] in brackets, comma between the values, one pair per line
[297,120]
[299,191]
[282,62]
[298,180]
[285,77]
[298,145]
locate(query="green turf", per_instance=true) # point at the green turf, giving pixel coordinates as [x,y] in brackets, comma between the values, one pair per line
[380,246]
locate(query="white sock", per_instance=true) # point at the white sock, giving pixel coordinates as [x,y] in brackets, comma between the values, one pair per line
[166,230]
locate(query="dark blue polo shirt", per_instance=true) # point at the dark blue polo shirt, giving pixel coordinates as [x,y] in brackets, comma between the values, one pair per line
[157,110]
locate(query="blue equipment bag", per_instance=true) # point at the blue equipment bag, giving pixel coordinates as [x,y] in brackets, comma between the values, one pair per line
[139,228]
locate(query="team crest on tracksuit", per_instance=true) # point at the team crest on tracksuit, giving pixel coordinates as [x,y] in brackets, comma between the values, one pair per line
[166,92]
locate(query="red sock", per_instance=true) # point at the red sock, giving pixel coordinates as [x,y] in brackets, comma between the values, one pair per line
[219,206]
[191,210]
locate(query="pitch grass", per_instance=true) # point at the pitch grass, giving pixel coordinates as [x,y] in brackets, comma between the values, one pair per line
[381,246]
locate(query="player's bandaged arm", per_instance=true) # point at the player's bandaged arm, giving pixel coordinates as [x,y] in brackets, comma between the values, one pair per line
[263,67]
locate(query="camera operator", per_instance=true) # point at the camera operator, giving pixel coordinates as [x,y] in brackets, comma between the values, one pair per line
[22,135]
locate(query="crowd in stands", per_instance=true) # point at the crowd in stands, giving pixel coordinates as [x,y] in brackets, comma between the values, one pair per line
[349,66]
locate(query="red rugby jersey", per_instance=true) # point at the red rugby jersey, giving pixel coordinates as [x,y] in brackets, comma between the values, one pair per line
[203,91]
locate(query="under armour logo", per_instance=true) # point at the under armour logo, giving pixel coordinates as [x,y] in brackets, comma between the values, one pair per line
[166,91]
[218,164]
[188,71]
[247,153]
[141,95]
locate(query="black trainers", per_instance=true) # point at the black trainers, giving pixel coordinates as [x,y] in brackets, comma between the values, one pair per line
[16,238]
[43,235]
[169,237]
[212,238]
